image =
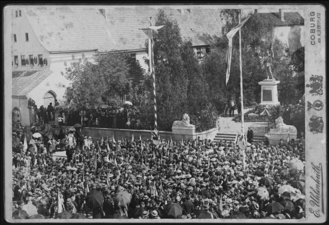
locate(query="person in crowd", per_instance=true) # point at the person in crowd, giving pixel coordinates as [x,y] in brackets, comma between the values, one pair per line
[250,135]
[239,106]
[232,106]
[199,175]
[50,112]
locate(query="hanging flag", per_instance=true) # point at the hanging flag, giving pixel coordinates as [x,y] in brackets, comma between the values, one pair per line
[140,138]
[60,205]
[102,140]
[288,139]
[25,144]
[113,139]
[132,138]
[182,142]
[154,134]
[230,36]
[236,139]
[241,142]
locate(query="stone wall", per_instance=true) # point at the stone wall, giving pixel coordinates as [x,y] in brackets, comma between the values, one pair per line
[119,134]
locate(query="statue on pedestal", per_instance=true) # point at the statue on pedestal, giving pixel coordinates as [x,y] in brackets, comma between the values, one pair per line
[185,122]
[267,62]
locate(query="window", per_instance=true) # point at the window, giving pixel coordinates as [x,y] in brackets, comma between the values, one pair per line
[16,13]
[16,60]
[23,60]
[27,36]
[133,55]
[40,60]
[15,39]
[20,13]
[207,50]
[31,59]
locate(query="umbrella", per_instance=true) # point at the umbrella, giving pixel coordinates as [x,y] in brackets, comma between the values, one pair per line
[301,202]
[263,193]
[128,103]
[296,164]
[72,129]
[299,185]
[94,199]
[188,206]
[122,198]
[274,207]
[78,216]
[286,188]
[288,205]
[77,125]
[36,135]
[64,215]
[37,216]
[259,173]
[203,215]
[173,210]
[266,181]
[237,215]
[20,214]
[138,212]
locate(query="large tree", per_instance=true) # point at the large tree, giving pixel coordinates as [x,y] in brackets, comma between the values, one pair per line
[107,79]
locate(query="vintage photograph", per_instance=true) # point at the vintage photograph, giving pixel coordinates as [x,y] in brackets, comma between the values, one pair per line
[162,112]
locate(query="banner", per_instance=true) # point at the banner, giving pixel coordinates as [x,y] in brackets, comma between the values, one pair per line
[230,36]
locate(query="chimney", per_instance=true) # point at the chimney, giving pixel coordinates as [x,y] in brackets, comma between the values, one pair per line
[281,14]
[103,12]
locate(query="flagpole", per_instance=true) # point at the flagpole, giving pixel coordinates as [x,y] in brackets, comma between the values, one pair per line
[241,90]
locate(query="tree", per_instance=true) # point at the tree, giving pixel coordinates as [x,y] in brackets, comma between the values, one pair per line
[171,76]
[98,83]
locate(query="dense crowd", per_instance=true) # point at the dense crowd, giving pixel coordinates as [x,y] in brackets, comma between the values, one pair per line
[140,179]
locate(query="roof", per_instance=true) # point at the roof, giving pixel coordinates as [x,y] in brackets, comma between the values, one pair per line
[290,18]
[24,82]
[67,28]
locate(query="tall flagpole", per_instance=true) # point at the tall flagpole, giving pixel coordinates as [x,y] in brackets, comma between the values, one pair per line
[241,90]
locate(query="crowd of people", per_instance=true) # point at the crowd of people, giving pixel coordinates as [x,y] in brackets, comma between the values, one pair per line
[134,178]
[104,117]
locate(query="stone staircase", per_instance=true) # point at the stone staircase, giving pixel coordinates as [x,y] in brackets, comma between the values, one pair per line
[231,137]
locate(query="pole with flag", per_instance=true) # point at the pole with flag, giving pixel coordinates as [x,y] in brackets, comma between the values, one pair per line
[149,32]
[241,91]
[230,36]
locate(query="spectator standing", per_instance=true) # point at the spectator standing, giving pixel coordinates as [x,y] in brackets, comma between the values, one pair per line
[232,106]
[250,135]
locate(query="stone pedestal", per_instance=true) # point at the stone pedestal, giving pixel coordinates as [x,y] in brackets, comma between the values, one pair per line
[281,131]
[269,92]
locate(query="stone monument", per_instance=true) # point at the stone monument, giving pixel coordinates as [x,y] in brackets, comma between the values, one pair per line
[281,131]
[269,92]
[184,128]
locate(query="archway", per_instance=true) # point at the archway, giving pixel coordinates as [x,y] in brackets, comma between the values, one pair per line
[49,97]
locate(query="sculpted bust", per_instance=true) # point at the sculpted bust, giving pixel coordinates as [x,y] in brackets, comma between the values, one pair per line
[185,122]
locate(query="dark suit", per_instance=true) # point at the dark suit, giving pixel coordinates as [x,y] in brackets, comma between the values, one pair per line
[250,136]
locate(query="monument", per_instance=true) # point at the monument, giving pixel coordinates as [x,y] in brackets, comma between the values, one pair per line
[281,131]
[269,88]
[269,92]
[184,128]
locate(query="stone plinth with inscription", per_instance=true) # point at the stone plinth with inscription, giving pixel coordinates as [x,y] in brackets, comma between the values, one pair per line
[269,92]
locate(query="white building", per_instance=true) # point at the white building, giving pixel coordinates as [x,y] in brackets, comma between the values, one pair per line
[46,39]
